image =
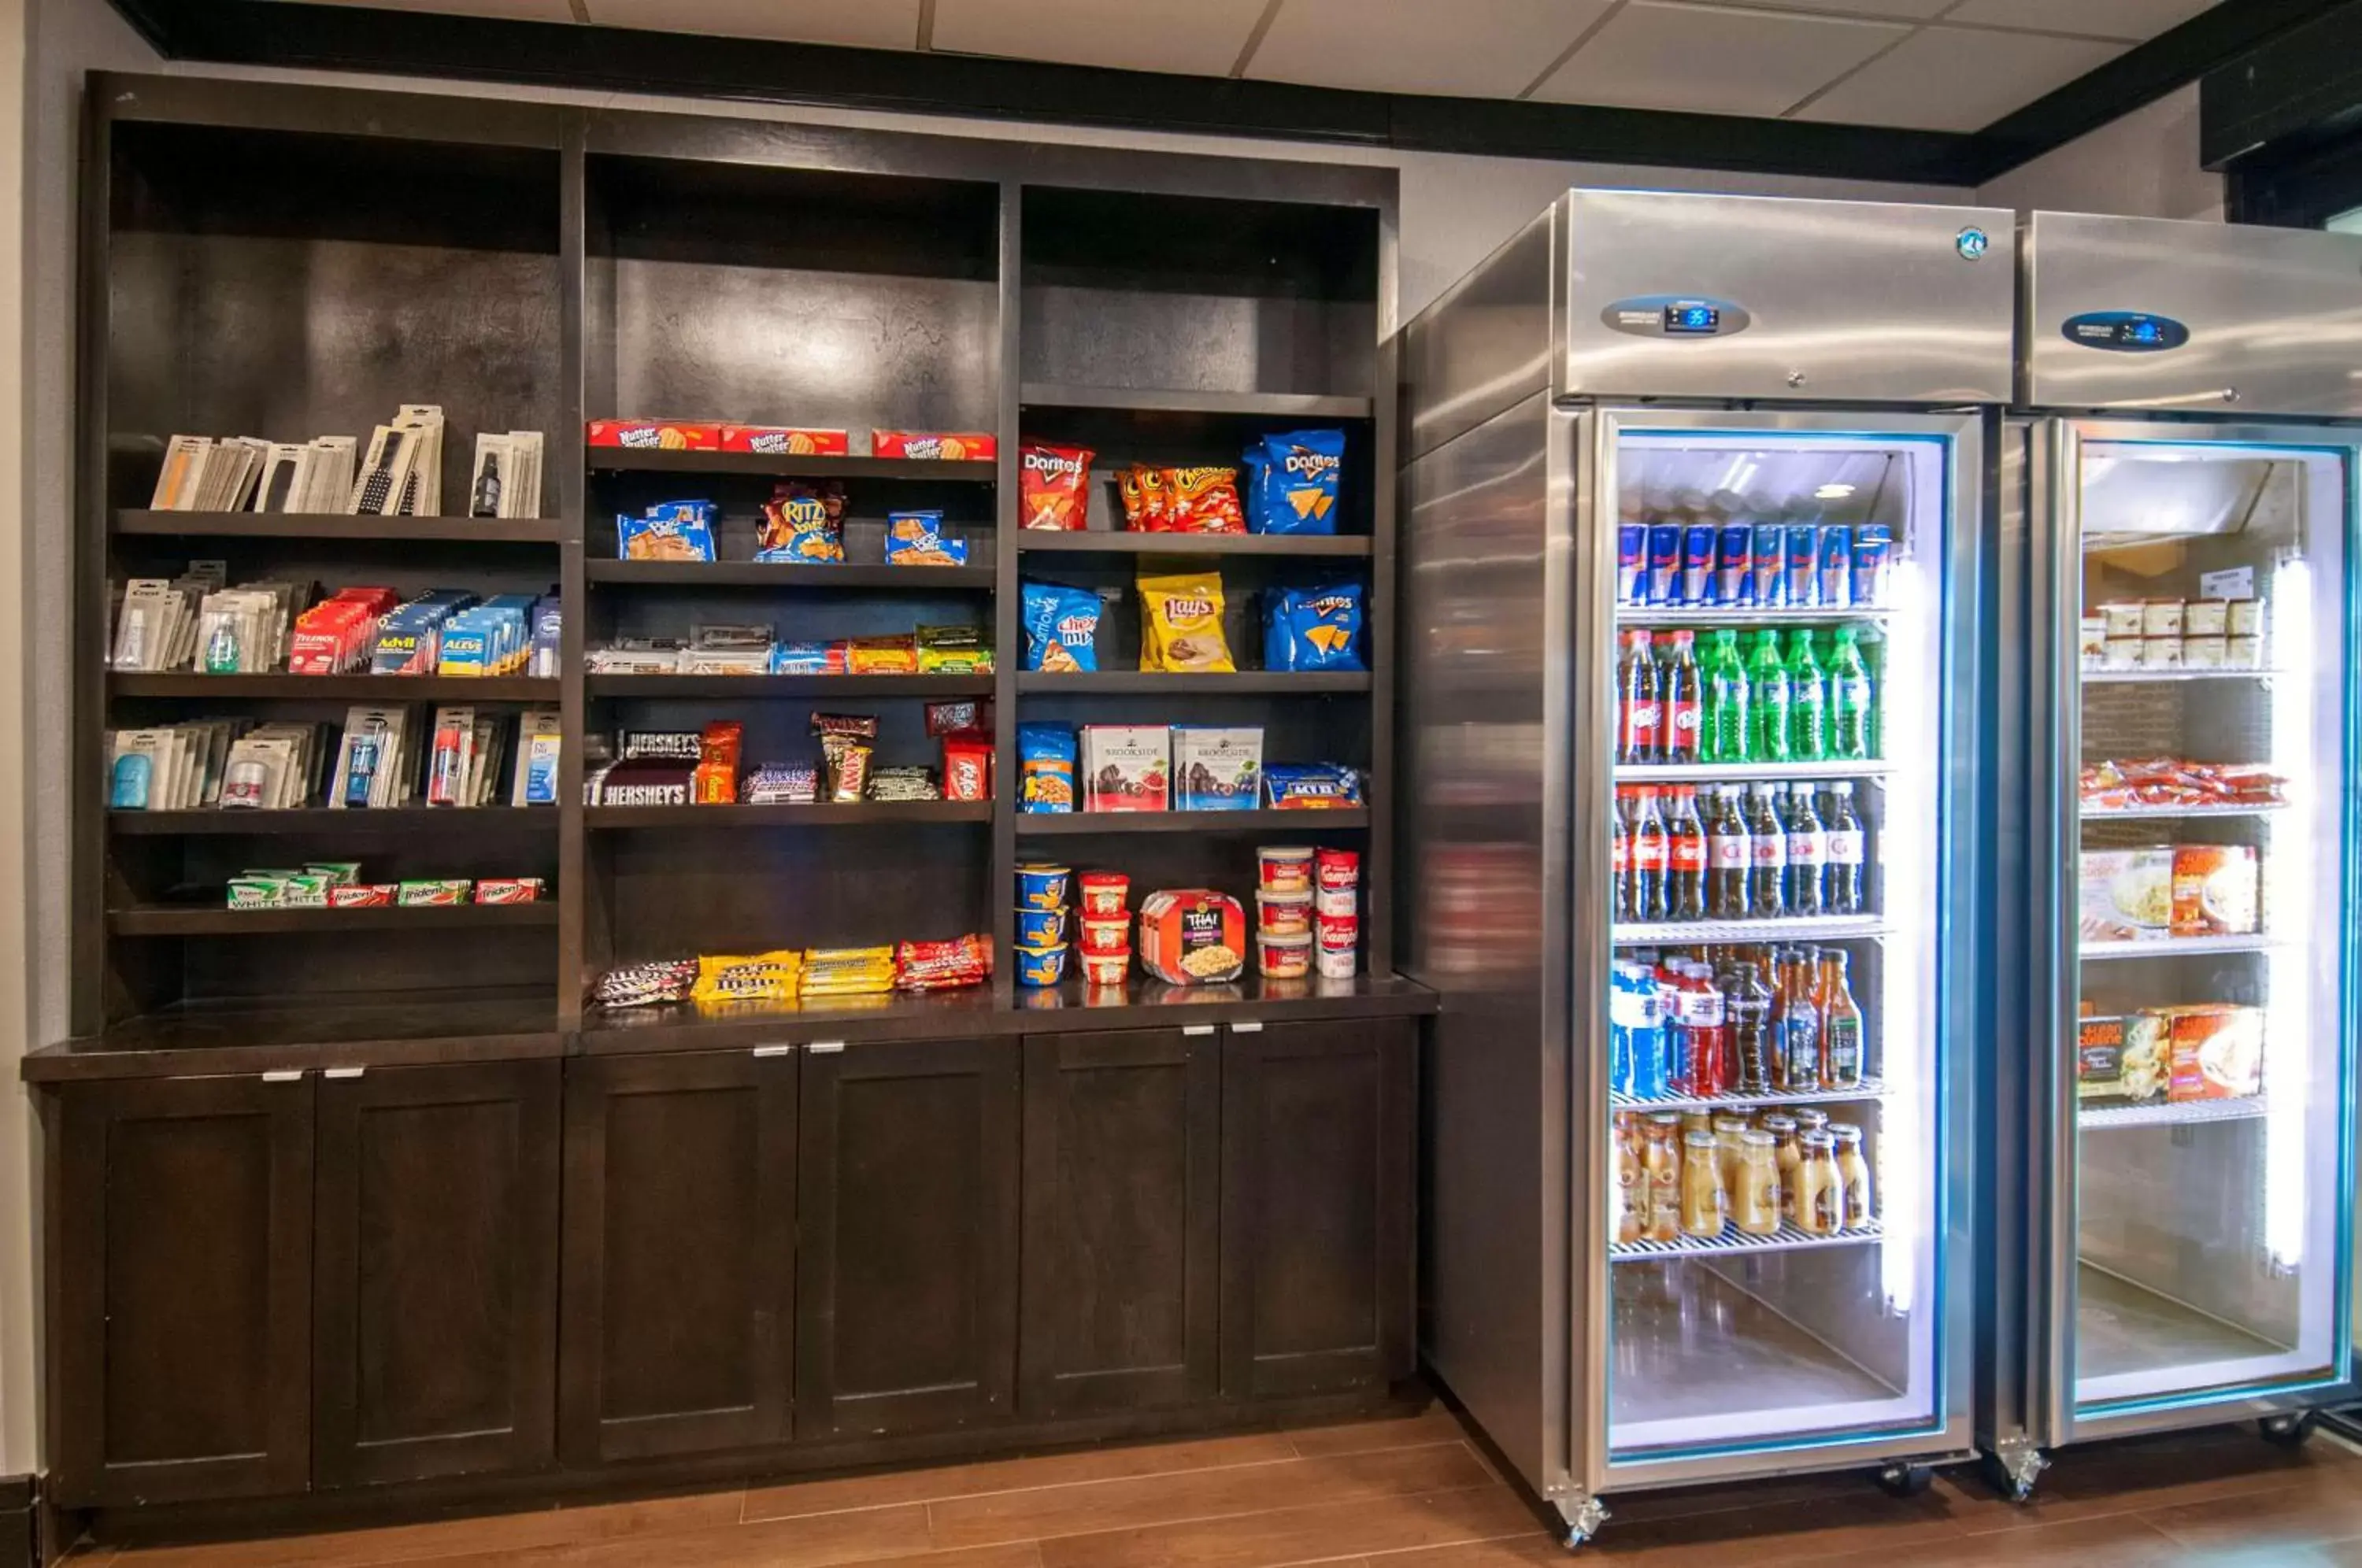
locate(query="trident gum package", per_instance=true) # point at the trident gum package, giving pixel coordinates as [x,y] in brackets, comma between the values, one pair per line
[1053,487]
[1292,483]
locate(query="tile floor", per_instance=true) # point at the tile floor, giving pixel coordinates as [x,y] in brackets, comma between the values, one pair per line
[1397,1494]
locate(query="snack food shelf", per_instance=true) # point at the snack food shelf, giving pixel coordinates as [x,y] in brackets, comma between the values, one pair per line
[781,574]
[2171,1114]
[2175,946]
[819,813]
[334,688]
[1060,825]
[1167,400]
[180,921]
[1742,772]
[763,686]
[1734,1241]
[1109,541]
[780,465]
[1714,615]
[1688,933]
[1245,682]
[340,525]
[1869,1088]
[213,820]
[2141,677]
[2137,813]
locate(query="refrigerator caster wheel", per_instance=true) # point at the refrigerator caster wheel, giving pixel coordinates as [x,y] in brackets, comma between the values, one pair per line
[2011,1483]
[2287,1431]
[1582,1520]
[1905,1480]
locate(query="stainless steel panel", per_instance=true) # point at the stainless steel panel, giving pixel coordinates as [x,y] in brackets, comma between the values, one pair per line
[1485,345]
[1484,889]
[1850,301]
[2274,315]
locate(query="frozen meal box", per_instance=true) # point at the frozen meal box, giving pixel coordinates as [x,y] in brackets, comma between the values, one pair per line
[2147,1058]
[2218,1052]
[2216,890]
[2125,894]
[2100,1058]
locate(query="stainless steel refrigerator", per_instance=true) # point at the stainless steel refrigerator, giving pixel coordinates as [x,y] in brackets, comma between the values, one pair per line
[1813,389]
[2179,501]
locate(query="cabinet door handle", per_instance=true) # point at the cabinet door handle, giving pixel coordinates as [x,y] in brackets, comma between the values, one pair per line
[342,1072]
[1247,1026]
[283,1075]
[772,1050]
[825,1047]
[1197,1029]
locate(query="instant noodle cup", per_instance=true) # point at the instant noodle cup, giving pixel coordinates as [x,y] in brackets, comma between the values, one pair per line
[1336,869]
[1284,914]
[1329,901]
[1043,886]
[1285,868]
[1106,936]
[1041,928]
[1283,958]
[1042,965]
[1105,894]
[1107,968]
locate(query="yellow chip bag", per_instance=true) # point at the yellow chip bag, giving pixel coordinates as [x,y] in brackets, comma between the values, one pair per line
[1181,623]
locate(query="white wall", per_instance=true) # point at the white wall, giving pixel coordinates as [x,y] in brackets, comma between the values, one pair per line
[18,1402]
[2144,165]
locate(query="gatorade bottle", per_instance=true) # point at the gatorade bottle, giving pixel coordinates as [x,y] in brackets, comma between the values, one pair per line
[1767,700]
[1850,699]
[1809,702]
[1727,704]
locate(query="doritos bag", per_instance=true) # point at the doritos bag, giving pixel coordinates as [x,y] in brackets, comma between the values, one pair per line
[1293,486]
[1313,628]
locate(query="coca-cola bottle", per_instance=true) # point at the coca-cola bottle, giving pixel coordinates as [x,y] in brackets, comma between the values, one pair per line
[1808,852]
[1684,696]
[1640,710]
[1729,856]
[1767,842]
[1619,858]
[1686,857]
[1652,852]
[1841,885]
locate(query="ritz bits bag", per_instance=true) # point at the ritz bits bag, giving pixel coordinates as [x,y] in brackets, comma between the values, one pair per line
[1181,623]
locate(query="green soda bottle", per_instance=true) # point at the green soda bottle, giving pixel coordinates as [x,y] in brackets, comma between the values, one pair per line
[1809,702]
[1850,699]
[1768,701]
[1727,704]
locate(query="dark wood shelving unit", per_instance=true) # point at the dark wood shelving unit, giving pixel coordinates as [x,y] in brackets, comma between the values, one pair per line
[341,526]
[1104,541]
[168,920]
[770,575]
[1086,824]
[638,460]
[325,821]
[819,814]
[334,688]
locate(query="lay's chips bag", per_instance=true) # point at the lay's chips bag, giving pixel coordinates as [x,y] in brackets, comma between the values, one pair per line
[1292,483]
[1313,628]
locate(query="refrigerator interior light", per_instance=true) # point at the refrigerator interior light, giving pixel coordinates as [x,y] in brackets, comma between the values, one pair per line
[2288,881]
[1907,1038]
[1833,492]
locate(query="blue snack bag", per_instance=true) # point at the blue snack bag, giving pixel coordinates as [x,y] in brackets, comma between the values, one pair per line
[1293,483]
[1045,768]
[1061,627]
[1313,628]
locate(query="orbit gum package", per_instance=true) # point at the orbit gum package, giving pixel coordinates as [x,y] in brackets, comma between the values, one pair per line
[1292,483]
[1053,487]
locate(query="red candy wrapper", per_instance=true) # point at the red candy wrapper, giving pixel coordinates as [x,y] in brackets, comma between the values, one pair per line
[967,767]
[942,966]
[950,446]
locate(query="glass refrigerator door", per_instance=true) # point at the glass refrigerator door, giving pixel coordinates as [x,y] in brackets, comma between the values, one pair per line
[1774,988]
[2205,1038]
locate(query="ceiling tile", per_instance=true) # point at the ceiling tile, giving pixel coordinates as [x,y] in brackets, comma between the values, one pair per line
[1657,55]
[1956,79]
[2133,20]
[876,24]
[1893,10]
[1488,49]
[508,10]
[1201,38]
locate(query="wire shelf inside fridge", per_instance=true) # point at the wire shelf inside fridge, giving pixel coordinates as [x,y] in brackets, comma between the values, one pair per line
[2093,951]
[1869,1088]
[1734,1242]
[2169,677]
[2168,1113]
[2152,814]
[1746,772]
[1826,928]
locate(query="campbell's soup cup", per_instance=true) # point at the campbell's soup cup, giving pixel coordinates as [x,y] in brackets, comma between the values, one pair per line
[1041,886]
[1285,868]
[1336,870]
[1041,928]
[1341,965]
[1331,901]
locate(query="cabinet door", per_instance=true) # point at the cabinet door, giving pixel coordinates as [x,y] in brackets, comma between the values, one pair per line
[1122,1220]
[907,1288]
[180,1298]
[679,1254]
[435,1293]
[1317,1218]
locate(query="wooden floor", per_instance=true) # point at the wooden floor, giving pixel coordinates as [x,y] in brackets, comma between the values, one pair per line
[1401,1494]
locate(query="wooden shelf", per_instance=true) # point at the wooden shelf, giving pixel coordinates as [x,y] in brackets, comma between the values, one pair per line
[825,813]
[307,1032]
[758,688]
[334,688]
[173,920]
[633,460]
[343,527]
[1253,405]
[1078,825]
[1102,541]
[321,819]
[768,574]
[1249,682]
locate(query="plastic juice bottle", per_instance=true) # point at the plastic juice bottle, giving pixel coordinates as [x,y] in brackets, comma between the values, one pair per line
[1840,1022]
[1768,698]
[1850,699]
[1808,701]
[1728,705]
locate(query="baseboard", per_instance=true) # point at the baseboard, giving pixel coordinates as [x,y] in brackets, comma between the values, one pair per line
[20,1541]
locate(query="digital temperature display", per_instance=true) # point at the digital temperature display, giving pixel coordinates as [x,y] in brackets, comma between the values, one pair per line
[2143,330]
[1692,319]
